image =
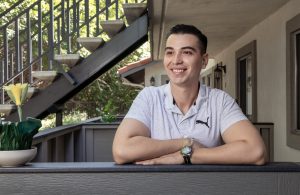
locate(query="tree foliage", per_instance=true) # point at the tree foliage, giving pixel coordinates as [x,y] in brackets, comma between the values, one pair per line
[107,95]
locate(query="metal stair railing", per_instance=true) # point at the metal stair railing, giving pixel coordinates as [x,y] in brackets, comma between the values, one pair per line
[29,41]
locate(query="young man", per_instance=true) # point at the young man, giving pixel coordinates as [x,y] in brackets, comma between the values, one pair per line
[185,122]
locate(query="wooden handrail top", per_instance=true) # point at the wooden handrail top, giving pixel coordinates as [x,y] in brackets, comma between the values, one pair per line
[94,167]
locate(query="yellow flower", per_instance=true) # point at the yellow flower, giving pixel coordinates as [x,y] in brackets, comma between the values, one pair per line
[17,92]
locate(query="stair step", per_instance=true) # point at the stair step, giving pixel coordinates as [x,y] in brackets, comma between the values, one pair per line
[112,27]
[132,11]
[68,59]
[31,92]
[44,75]
[90,43]
[7,108]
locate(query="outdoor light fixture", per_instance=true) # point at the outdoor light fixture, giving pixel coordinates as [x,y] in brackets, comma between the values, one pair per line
[152,81]
[222,67]
[218,71]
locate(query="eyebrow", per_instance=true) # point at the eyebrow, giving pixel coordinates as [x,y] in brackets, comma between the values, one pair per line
[187,47]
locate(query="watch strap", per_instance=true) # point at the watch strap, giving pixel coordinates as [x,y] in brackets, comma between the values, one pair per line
[187,160]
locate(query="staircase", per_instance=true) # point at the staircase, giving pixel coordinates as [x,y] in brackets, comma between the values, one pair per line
[60,50]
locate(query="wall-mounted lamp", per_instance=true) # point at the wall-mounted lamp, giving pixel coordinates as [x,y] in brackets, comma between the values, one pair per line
[152,81]
[219,70]
[222,67]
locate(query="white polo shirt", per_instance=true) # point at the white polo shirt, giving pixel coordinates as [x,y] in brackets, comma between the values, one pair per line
[212,113]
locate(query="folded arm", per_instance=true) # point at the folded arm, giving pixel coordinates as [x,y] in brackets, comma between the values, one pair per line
[243,145]
[132,143]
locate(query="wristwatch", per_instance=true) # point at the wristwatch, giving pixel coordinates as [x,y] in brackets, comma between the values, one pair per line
[186,152]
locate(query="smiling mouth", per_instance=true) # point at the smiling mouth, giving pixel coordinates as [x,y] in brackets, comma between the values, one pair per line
[177,71]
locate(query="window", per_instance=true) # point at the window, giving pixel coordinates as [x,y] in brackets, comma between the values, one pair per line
[208,80]
[246,80]
[164,79]
[203,81]
[293,81]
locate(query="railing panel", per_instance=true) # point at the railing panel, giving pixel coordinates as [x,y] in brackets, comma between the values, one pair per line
[69,147]
[99,139]
[77,143]
[92,142]
[59,149]
[79,146]
[266,130]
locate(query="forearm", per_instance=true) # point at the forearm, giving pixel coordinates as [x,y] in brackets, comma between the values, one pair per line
[239,152]
[140,148]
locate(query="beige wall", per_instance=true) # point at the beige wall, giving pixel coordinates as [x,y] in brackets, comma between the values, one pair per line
[271,74]
[156,71]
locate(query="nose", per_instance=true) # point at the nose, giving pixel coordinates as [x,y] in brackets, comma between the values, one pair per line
[177,58]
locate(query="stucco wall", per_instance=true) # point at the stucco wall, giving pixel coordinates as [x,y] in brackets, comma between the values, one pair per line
[271,73]
[156,71]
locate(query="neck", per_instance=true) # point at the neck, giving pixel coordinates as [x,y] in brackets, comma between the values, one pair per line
[185,97]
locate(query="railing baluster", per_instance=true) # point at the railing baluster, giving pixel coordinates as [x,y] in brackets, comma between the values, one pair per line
[29,45]
[40,38]
[86,7]
[117,9]
[51,36]
[2,96]
[1,72]
[63,30]
[58,35]
[17,44]
[98,17]
[12,72]
[5,41]
[107,3]
[21,63]
[75,23]
[2,80]
[78,21]
[74,16]
[68,28]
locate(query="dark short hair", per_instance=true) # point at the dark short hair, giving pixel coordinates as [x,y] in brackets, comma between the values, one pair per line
[190,29]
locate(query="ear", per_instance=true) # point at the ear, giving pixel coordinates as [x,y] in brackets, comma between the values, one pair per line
[204,60]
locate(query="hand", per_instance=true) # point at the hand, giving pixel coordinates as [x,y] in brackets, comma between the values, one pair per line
[197,145]
[169,159]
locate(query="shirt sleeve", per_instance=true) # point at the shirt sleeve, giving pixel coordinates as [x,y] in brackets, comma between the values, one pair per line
[231,113]
[140,108]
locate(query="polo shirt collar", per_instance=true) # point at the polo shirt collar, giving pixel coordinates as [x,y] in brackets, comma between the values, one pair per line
[171,105]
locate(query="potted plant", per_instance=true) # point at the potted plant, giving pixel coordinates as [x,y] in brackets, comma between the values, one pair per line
[16,137]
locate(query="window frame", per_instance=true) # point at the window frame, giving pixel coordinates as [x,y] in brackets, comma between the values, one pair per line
[247,50]
[293,134]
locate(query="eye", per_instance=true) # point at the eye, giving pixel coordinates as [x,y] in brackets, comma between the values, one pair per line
[168,52]
[187,52]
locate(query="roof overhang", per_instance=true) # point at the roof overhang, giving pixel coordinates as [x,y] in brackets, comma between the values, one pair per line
[222,21]
[135,72]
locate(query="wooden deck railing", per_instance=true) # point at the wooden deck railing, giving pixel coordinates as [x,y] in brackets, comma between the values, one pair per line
[84,142]
[91,141]
[108,178]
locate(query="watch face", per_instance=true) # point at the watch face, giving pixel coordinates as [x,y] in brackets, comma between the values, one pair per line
[186,150]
